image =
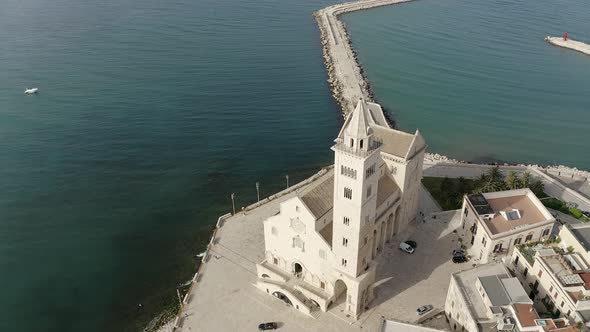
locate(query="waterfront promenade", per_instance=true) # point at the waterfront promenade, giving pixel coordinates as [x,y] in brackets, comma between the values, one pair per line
[224,298]
[554,185]
[571,44]
[345,75]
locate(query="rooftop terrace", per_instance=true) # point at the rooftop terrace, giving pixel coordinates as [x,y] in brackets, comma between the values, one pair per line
[467,282]
[504,211]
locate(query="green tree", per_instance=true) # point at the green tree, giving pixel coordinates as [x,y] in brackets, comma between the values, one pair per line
[495,175]
[462,186]
[446,185]
[537,187]
[513,181]
[525,181]
[492,180]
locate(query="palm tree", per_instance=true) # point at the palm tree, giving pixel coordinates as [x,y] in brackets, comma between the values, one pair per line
[513,180]
[492,180]
[495,175]
[525,181]
[537,187]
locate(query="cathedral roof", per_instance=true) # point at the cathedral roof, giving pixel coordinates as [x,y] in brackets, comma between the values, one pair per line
[357,123]
[385,188]
[319,198]
[399,143]
[368,118]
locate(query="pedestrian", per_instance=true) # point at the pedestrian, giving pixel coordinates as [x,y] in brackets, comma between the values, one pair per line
[565,36]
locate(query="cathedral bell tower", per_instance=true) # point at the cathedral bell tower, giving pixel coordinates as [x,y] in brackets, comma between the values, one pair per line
[356,166]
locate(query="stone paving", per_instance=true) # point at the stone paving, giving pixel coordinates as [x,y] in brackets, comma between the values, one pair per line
[225,299]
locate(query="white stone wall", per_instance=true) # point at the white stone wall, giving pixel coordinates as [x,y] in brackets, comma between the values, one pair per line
[484,243]
[296,222]
[361,210]
[549,285]
[568,239]
[457,309]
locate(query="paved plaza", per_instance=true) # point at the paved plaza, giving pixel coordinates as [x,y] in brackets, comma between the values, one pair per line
[225,298]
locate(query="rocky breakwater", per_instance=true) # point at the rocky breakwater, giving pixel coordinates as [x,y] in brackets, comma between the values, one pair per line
[571,44]
[345,75]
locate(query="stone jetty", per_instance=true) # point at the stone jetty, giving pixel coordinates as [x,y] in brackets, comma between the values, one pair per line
[571,44]
[346,76]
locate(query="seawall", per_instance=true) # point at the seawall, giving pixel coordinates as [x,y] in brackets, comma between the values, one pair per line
[571,44]
[345,75]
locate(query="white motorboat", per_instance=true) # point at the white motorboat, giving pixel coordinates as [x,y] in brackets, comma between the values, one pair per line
[31,91]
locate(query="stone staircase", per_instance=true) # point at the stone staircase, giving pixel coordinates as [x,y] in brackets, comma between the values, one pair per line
[316,312]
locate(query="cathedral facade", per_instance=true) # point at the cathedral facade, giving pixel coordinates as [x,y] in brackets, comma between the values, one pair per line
[321,248]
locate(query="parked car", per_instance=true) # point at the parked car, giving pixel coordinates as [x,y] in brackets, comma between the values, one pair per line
[458,252]
[406,247]
[412,244]
[424,309]
[586,214]
[268,326]
[459,259]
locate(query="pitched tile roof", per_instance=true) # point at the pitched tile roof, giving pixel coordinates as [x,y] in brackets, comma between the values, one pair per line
[319,198]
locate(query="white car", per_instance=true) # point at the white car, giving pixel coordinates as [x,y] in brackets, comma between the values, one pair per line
[406,247]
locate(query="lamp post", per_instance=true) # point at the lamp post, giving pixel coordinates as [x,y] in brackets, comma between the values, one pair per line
[233,205]
[287,177]
[258,191]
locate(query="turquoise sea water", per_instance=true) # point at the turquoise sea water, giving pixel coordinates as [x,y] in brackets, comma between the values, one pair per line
[477,78]
[149,115]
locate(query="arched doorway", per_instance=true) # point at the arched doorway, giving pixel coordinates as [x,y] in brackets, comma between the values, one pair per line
[282,297]
[297,269]
[389,227]
[340,291]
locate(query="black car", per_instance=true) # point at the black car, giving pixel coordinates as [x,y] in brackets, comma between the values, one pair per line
[267,326]
[458,252]
[412,244]
[459,259]
[586,213]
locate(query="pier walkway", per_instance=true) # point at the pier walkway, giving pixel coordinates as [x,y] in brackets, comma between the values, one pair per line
[345,74]
[571,44]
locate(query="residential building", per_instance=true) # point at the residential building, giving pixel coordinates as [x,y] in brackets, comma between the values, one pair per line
[578,237]
[394,326]
[557,276]
[320,249]
[500,220]
[487,298]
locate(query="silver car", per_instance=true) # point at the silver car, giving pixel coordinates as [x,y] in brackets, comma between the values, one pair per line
[424,309]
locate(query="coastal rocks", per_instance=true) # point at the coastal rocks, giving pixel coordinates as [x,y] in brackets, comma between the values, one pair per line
[347,77]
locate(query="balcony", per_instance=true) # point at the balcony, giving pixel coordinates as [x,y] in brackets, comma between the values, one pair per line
[357,152]
[528,253]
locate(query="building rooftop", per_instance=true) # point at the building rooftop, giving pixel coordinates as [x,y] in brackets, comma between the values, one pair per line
[398,143]
[319,197]
[467,283]
[393,326]
[582,233]
[502,290]
[368,119]
[515,291]
[480,204]
[526,314]
[562,269]
[509,210]
[494,290]
[386,187]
